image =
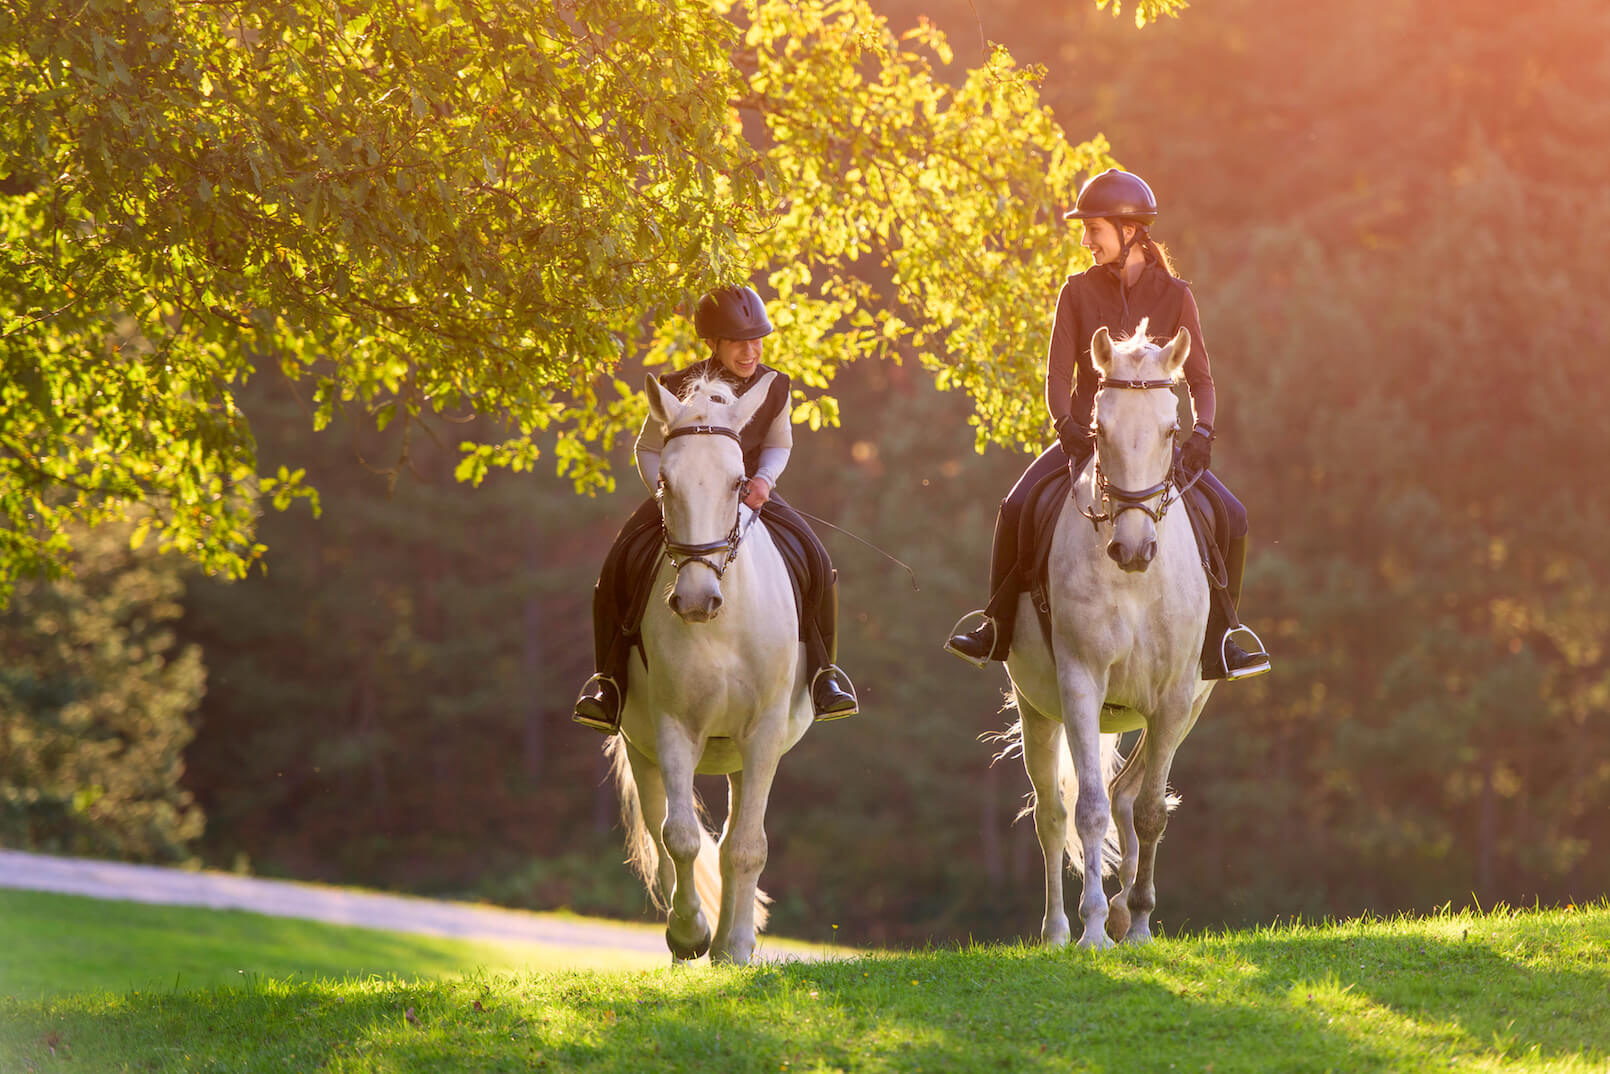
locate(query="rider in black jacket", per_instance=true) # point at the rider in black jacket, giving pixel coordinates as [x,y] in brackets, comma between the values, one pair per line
[1131,281]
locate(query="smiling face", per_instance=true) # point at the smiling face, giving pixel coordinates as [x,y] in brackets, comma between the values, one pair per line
[1101,238]
[740,357]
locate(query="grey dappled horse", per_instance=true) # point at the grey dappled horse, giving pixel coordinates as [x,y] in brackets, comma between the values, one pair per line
[1129,604]
[724,686]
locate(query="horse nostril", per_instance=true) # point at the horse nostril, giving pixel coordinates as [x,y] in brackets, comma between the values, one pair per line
[1115,552]
[676,605]
[1149,551]
[715,605]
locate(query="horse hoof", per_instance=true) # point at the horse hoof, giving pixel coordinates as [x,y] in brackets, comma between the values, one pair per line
[1117,919]
[687,954]
[734,956]
[1099,942]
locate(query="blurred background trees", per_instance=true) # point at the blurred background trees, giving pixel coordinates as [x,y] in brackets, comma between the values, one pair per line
[1389,213]
[96,694]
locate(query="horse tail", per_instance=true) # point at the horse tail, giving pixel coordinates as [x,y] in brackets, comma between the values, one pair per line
[1010,742]
[643,855]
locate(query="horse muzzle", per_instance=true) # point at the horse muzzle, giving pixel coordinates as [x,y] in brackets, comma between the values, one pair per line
[696,609]
[1133,558]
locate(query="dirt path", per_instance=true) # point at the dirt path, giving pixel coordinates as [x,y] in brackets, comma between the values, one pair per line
[398,913]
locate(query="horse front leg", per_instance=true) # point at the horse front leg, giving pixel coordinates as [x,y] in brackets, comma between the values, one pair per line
[1156,754]
[1092,812]
[651,801]
[1125,785]
[687,933]
[743,853]
[1042,759]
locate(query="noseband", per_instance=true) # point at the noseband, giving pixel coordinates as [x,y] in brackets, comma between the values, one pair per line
[1114,500]
[681,554]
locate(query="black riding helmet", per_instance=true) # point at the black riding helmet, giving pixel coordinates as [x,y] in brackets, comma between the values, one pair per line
[1115,195]
[731,313]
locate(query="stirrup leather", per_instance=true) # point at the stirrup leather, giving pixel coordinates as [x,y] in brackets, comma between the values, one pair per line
[588,721]
[845,679]
[1245,673]
[957,629]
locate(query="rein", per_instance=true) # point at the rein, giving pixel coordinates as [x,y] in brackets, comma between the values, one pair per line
[1134,499]
[680,553]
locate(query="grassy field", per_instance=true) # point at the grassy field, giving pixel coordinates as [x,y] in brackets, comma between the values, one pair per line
[1504,991]
[58,944]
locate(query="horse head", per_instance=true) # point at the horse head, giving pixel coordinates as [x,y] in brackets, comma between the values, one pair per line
[1135,429]
[701,486]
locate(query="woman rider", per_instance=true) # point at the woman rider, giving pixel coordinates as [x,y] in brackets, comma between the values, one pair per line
[1132,280]
[732,321]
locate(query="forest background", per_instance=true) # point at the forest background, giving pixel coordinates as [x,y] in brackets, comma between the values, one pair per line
[1390,213]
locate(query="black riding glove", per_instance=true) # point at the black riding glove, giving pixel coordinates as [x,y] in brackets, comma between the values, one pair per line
[1078,442]
[1197,452]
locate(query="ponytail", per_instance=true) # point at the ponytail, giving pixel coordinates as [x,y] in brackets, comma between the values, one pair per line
[1157,252]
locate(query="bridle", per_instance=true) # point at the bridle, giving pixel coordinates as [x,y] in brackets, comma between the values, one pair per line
[681,554]
[1108,495]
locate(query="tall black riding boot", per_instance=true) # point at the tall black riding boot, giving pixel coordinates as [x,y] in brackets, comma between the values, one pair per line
[1223,657]
[832,693]
[599,704]
[619,598]
[992,639]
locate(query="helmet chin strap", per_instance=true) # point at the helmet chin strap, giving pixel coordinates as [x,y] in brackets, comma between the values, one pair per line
[1122,259]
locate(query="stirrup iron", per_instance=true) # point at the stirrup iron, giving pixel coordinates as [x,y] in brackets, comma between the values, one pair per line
[828,716]
[601,726]
[1249,673]
[957,629]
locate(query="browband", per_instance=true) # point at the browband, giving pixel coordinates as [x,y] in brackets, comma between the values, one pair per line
[692,430]
[1139,385]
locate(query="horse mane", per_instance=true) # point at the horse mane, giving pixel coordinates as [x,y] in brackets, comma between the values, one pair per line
[1130,354]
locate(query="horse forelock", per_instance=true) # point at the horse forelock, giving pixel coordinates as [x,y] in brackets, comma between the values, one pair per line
[1138,356]
[702,396]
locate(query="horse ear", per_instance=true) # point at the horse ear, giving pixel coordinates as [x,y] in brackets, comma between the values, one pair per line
[751,401]
[661,403]
[1178,349]
[1101,351]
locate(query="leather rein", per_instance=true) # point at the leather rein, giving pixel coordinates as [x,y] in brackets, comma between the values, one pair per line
[1134,499]
[680,553]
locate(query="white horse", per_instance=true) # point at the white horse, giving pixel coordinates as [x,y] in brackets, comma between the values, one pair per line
[1129,605]
[723,688]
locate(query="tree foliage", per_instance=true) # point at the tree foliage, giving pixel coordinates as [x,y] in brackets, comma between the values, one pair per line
[460,206]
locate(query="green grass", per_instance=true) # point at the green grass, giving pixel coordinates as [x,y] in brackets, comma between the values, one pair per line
[1504,991]
[57,944]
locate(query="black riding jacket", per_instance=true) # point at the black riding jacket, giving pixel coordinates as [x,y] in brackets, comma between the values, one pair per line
[1093,299]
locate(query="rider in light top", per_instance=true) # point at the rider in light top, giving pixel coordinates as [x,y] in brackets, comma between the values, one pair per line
[733,322]
[1131,281]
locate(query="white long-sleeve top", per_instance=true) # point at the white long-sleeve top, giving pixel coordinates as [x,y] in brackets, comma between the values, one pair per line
[774,450]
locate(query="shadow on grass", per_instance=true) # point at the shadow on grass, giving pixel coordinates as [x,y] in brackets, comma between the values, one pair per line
[1505,1002]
